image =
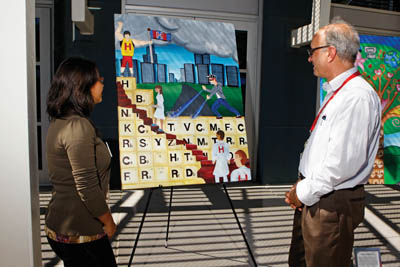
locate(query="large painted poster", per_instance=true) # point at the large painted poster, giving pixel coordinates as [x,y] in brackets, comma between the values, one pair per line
[180,104]
[379,63]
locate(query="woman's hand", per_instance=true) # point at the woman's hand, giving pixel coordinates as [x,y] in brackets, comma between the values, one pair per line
[110,229]
[109,226]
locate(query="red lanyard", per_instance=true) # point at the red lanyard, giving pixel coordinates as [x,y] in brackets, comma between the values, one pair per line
[355,74]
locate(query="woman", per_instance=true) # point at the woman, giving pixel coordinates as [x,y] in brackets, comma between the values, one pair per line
[78,222]
[242,173]
[159,114]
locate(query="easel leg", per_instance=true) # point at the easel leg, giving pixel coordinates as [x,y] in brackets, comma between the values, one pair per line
[240,227]
[169,216]
[141,226]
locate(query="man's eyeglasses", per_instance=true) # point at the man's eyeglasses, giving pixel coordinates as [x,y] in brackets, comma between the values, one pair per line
[311,51]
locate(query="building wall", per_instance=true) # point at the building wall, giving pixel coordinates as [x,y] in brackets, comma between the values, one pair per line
[288,93]
[99,48]
[248,7]
[284,121]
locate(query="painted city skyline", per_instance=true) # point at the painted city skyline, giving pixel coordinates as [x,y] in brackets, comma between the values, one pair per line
[181,57]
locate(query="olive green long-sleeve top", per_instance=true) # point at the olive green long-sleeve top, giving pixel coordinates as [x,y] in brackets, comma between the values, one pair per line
[79,170]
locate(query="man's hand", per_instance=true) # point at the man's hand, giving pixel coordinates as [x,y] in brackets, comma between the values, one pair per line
[208,97]
[204,87]
[292,199]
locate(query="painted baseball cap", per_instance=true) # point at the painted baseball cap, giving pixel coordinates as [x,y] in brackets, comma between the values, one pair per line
[211,76]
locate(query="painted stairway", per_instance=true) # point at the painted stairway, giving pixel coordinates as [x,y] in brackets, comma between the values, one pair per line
[207,167]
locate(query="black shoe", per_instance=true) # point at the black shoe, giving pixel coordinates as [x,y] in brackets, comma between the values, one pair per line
[219,117]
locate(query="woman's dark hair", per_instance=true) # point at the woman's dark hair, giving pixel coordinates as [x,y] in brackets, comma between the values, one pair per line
[221,134]
[159,87]
[70,89]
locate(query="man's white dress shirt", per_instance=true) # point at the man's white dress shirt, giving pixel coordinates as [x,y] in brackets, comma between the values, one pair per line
[341,149]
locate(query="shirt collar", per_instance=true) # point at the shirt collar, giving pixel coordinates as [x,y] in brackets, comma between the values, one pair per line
[336,82]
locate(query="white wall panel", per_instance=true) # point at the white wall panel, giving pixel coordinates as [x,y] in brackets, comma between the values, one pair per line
[247,7]
[19,196]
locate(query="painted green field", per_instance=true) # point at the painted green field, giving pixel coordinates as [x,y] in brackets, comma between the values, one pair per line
[171,92]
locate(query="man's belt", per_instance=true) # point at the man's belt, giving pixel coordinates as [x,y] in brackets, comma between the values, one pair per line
[301,177]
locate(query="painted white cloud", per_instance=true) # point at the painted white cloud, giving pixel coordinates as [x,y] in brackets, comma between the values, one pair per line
[200,37]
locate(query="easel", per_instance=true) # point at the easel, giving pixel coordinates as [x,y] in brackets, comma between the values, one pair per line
[169,217]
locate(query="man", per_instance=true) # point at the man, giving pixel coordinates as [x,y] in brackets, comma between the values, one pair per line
[217,90]
[127,47]
[338,158]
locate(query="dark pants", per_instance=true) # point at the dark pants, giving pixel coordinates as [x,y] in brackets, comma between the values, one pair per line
[91,254]
[323,234]
[223,102]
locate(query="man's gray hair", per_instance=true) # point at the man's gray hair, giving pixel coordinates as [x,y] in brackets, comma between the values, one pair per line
[344,37]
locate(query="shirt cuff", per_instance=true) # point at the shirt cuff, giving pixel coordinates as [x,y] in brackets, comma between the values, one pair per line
[303,191]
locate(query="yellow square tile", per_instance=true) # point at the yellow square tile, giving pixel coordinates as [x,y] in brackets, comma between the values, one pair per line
[161,173]
[144,159]
[143,97]
[125,114]
[214,125]
[186,126]
[146,174]
[201,126]
[176,173]
[129,176]
[188,158]
[128,159]
[127,144]
[241,141]
[175,157]
[128,83]
[144,143]
[126,128]
[203,142]
[240,126]
[159,142]
[229,125]
[230,140]
[142,130]
[190,171]
[160,158]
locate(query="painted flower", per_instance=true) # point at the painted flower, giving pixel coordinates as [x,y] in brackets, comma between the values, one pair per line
[392,58]
[398,87]
[359,61]
[390,75]
[378,72]
[384,102]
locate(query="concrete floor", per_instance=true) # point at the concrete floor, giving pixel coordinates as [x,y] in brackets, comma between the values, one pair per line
[203,230]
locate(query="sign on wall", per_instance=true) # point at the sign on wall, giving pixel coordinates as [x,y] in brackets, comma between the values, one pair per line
[180,105]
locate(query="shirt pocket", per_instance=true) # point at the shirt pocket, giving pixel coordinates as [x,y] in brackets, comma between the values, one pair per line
[323,120]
